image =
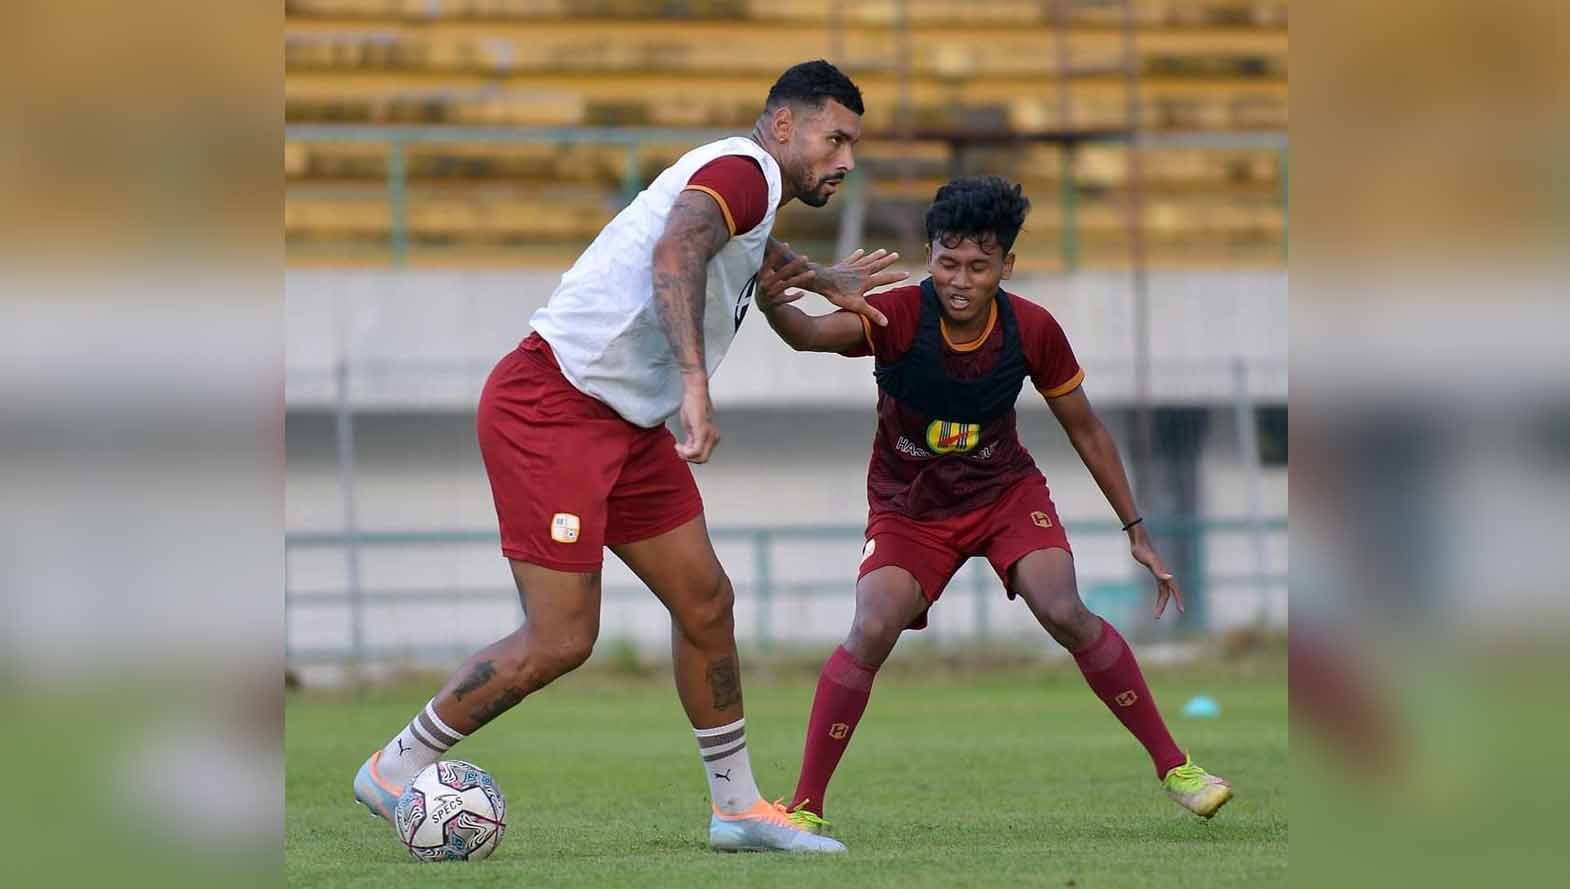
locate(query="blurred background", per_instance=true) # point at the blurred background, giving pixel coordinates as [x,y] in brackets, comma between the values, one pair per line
[142,378]
[446,160]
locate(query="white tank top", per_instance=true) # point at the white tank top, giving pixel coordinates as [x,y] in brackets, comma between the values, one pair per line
[601,321]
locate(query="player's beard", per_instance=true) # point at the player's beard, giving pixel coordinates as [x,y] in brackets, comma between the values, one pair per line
[817,197]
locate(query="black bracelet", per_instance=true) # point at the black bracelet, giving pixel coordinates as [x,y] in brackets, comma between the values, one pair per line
[1133,523]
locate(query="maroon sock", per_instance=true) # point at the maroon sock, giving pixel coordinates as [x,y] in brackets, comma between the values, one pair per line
[1113,674]
[843,689]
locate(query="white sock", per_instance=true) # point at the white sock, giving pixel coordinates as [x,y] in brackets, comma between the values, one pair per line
[725,764]
[422,742]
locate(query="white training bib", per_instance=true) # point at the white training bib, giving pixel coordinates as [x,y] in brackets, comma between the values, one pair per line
[601,320]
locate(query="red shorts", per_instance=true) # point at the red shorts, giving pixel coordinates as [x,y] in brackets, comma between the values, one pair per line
[568,474]
[1020,522]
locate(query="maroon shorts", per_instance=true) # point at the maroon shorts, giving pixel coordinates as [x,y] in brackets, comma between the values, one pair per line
[1020,522]
[568,474]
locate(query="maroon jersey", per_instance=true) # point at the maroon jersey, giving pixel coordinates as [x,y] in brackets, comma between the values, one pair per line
[938,450]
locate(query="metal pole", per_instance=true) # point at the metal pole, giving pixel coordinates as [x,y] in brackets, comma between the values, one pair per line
[288,648]
[901,69]
[1285,184]
[1068,199]
[1133,203]
[904,123]
[763,582]
[351,524]
[1248,447]
[853,216]
[1068,150]
[631,183]
[837,32]
[397,200]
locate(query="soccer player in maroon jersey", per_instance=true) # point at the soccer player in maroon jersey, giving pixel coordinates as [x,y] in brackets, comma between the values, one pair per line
[949,479]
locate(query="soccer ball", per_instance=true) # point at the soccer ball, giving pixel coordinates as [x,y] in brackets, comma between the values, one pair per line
[451,811]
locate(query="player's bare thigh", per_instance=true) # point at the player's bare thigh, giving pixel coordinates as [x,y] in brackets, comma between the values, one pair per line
[887,600]
[684,573]
[558,603]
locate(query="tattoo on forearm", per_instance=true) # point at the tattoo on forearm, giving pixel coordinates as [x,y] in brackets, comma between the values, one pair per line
[678,300]
[725,683]
[482,673]
[694,232]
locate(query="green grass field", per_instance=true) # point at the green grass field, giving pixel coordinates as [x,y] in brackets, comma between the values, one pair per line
[1011,778]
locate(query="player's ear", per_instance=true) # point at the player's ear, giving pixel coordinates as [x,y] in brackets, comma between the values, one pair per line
[1008,266]
[781,122]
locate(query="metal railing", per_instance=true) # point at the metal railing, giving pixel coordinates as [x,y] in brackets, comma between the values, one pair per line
[763,589]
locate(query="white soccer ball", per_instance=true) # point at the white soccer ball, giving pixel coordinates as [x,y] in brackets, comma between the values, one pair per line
[451,811]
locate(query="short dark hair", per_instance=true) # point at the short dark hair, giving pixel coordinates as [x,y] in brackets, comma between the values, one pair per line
[977,206]
[810,83]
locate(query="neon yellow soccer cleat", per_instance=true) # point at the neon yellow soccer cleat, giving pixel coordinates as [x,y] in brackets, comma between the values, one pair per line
[1197,790]
[811,822]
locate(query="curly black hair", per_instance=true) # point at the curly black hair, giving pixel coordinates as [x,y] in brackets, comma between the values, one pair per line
[811,83]
[982,208]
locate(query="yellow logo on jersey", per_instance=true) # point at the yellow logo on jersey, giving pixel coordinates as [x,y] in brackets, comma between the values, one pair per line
[948,437]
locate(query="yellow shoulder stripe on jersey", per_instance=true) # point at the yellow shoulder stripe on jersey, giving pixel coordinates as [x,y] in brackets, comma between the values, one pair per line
[730,221]
[1066,386]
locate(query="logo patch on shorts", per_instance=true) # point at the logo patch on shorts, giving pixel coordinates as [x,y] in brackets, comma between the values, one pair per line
[1041,519]
[949,437]
[866,551]
[564,527]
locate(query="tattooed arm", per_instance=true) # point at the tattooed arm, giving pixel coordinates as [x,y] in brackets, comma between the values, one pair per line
[695,230]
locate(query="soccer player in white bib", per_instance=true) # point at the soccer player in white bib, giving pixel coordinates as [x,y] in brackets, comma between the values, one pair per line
[571,429]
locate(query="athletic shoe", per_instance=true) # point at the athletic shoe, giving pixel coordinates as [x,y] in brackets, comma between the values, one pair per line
[811,822]
[1197,790]
[374,793]
[766,827]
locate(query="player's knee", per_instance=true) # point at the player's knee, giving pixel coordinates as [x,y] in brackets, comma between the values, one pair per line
[712,614]
[549,659]
[873,634]
[1065,614]
[571,652]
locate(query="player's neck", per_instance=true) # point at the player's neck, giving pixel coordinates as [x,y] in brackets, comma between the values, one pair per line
[758,135]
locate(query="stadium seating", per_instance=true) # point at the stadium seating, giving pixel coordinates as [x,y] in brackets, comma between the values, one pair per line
[975,71]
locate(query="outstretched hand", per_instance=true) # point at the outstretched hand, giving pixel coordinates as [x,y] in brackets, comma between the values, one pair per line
[845,284]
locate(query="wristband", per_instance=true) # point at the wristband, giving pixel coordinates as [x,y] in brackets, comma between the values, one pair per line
[1132,523]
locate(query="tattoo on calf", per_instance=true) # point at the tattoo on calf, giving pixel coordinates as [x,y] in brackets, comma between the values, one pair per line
[504,700]
[483,672]
[725,683]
